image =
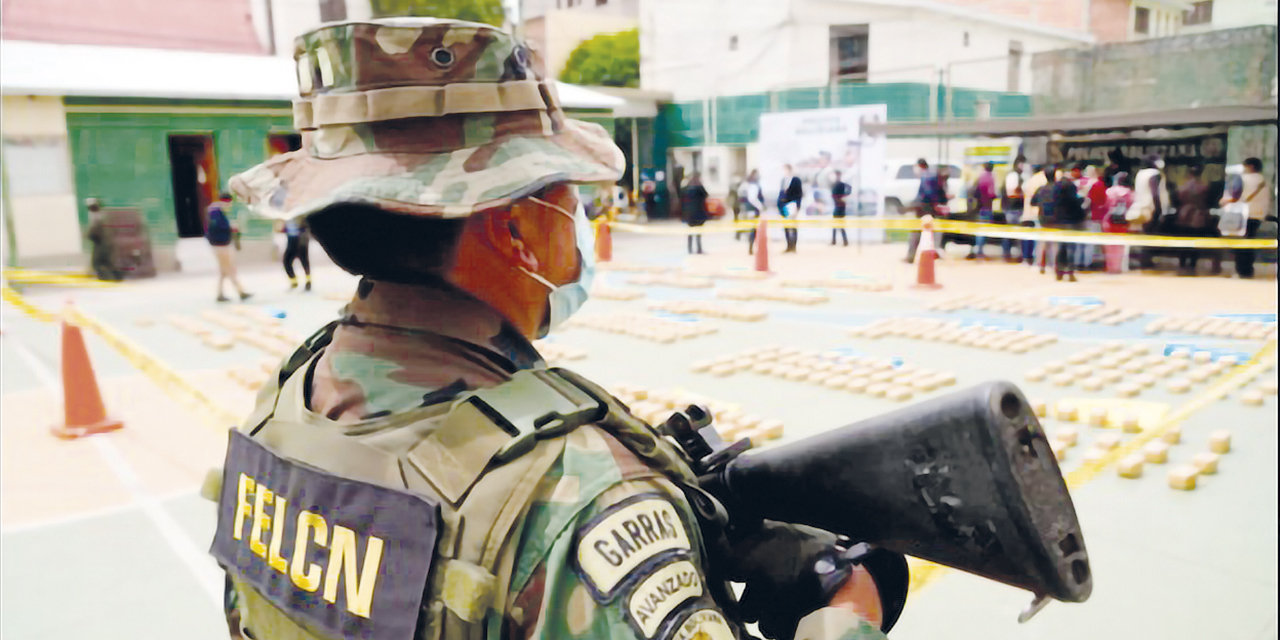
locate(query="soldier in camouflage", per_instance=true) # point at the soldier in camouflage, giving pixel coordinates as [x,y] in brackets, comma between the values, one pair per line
[436,165]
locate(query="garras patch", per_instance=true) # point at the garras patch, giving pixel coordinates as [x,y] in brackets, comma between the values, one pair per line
[635,533]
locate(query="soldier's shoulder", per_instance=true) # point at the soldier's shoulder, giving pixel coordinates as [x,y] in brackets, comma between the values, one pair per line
[594,474]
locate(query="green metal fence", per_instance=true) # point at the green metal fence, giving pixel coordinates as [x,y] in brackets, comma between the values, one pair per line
[736,119]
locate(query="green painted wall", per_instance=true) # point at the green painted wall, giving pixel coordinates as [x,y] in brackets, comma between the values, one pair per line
[123,158]
[737,118]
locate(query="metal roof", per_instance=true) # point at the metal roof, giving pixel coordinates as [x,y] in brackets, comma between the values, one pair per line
[220,25]
[1085,122]
[42,68]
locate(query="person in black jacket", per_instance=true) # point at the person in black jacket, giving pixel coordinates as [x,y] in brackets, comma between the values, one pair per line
[840,192]
[1064,209]
[789,197]
[693,203]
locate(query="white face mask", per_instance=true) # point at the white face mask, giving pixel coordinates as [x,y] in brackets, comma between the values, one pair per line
[565,300]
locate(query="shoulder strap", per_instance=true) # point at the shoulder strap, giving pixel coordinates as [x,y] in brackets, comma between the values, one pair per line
[633,433]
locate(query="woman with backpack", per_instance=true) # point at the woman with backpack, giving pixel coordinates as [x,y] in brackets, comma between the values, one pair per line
[1062,208]
[1119,199]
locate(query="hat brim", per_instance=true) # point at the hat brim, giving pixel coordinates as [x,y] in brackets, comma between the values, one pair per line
[445,184]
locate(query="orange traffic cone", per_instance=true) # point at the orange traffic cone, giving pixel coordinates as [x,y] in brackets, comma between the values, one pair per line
[762,247]
[81,399]
[604,242]
[926,253]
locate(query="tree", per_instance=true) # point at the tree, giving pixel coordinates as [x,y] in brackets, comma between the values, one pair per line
[609,60]
[486,11]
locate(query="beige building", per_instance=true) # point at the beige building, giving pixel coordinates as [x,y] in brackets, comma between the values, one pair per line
[555,29]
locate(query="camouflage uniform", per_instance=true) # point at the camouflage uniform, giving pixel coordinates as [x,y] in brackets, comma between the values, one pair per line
[445,119]
[369,370]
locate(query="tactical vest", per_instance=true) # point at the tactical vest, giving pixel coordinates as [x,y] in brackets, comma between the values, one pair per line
[455,479]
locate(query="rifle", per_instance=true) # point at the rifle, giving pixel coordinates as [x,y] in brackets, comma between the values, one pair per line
[966,480]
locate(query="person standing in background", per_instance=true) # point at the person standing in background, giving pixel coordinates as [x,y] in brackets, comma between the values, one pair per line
[1150,201]
[734,203]
[984,197]
[649,190]
[1031,212]
[790,194]
[751,197]
[1042,197]
[1254,192]
[297,247]
[840,191]
[1192,218]
[1067,213]
[931,194]
[219,232]
[1094,189]
[1119,199]
[693,204]
[100,258]
[1011,202]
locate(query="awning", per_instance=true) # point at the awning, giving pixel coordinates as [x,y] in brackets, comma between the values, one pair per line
[48,69]
[635,103]
[1085,122]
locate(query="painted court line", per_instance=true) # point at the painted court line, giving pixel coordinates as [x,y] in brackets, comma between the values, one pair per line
[202,566]
[86,515]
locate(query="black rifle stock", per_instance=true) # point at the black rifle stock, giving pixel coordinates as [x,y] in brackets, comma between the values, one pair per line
[966,480]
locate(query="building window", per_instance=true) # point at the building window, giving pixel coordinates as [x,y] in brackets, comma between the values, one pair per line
[38,166]
[1141,20]
[1015,65]
[601,3]
[849,53]
[733,43]
[333,10]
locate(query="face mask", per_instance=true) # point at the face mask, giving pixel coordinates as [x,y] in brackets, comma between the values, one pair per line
[565,300]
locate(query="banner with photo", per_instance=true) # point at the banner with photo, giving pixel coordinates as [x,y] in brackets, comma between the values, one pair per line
[819,143]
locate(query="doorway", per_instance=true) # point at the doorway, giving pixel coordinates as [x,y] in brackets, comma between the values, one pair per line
[280,143]
[195,181]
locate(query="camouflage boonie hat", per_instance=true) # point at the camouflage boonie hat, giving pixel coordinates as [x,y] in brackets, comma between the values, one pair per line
[439,118]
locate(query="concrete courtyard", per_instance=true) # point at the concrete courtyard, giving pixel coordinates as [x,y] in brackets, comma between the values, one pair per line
[106,537]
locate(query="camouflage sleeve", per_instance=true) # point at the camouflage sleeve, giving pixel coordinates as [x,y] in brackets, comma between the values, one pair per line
[629,567]
[611,550]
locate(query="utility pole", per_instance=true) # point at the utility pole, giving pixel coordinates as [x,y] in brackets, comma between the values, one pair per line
[271,29]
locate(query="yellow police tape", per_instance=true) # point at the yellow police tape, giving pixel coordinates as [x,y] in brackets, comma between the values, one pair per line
[21,304]
[960,227]
[30,276]
[170,381]
[924,573]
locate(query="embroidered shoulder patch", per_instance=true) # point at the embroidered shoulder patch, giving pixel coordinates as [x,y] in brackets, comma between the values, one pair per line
[628,535]
[703,624]
[657,596]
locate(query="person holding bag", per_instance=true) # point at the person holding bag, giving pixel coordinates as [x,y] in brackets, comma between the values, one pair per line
[1254,196]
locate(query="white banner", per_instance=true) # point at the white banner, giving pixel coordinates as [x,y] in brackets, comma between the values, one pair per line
[818,143]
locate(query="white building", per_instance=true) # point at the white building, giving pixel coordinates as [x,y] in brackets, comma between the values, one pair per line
[704,50]
[1209,15]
